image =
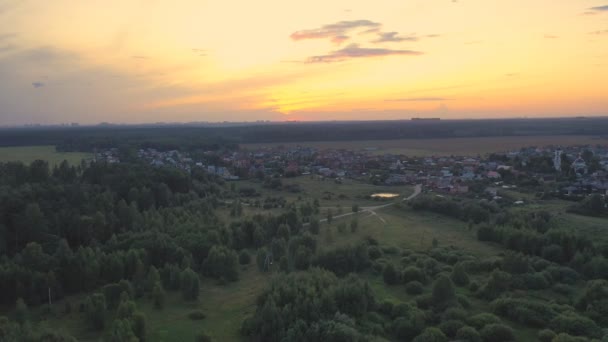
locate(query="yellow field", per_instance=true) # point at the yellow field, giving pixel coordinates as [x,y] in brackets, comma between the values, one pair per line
[444,146]
[28,154]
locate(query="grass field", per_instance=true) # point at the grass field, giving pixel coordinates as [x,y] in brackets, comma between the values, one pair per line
[448,146]
[28,154]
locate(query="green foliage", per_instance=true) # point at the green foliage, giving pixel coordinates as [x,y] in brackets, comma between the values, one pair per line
[158,295]
[244,258]
[481,320]
[311,314]
[21,312]
[443,293]
[95,311]
[546,335]
[577,325]
[431,335]
[390,275]
[202,336]
[497,284]
[222,262]
[413,273]
[197,315]
[450,327]
[524,310]
[468,334]
[459,275]
[497,333]
[414,288]
[189,284]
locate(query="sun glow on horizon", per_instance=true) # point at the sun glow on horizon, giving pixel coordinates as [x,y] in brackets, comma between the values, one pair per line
[146,61]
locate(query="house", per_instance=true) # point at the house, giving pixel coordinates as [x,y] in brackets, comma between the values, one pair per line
[493,175]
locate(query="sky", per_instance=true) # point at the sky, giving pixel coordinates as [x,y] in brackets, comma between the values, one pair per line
[145,61]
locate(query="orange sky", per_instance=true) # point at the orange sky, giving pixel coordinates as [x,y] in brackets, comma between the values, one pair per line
[193,60]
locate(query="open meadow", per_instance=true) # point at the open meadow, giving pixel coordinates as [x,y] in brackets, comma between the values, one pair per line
[28,154]
[441,147]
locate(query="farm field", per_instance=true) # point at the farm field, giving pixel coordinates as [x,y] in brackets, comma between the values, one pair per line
[28,154]
[447,146]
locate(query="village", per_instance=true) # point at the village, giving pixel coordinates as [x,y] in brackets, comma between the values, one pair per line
[568,171]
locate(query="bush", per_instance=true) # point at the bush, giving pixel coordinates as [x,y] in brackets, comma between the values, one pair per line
[202,337]
[443,291]
[196,315]
[390,275]
[546,335]
[414,288]
[431,335]
[497,333]
[524,311]
[459,275]
[481,320]
[413,273]
[374,252]
[577,325]
[468,334]
[244,258]
[450,327]
[454,313]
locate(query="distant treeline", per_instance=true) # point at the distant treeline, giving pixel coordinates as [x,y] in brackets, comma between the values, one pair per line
[192,136]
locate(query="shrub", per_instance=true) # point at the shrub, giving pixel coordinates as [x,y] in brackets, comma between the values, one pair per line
[414,288]
[431,335]
[524,311]
[546,335]
[374,252]
[459,275]
[568,338]
[443,291]
[390,275]
[577,325]
[450,327]
[202,337]
[454,313]
[413,273]
[481,320]
[244,258]
[468,334]
[196,315]
[497,333]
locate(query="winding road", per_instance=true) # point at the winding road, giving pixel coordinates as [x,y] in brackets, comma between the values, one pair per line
[372,210]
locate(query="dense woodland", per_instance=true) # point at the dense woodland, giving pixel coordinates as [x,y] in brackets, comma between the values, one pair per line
[114,234]
[196,136]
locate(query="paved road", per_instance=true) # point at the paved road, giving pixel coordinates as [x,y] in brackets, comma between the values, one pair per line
[371,210]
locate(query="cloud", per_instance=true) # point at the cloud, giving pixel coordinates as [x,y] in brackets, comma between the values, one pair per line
[550,36]
[38,84]
[393,37]
[599,8]
[419,99]
[139,57]
[599,32]
[335,32]
[200,52]
[354,51]
[7,36]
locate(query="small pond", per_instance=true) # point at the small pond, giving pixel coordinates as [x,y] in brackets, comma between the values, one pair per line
[384,195]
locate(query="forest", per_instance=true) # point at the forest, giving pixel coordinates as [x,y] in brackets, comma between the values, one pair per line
[201,136]
[101,238]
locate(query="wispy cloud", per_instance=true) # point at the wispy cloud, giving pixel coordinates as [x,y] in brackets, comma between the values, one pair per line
[355,51]
[393,37]
[600,32]
[7,36]
[200,52]
[599,8]
[419,99]
[337,32]
[139,57]
[38,84]
[550,36]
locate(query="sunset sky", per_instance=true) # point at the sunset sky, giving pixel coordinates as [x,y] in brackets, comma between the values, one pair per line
[193,60]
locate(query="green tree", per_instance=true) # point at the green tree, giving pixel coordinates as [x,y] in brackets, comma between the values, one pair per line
[158,294]
[189,284]
[431,335]
[95,314]
[21,312]
[443,291]
[389,274]
[459,275]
